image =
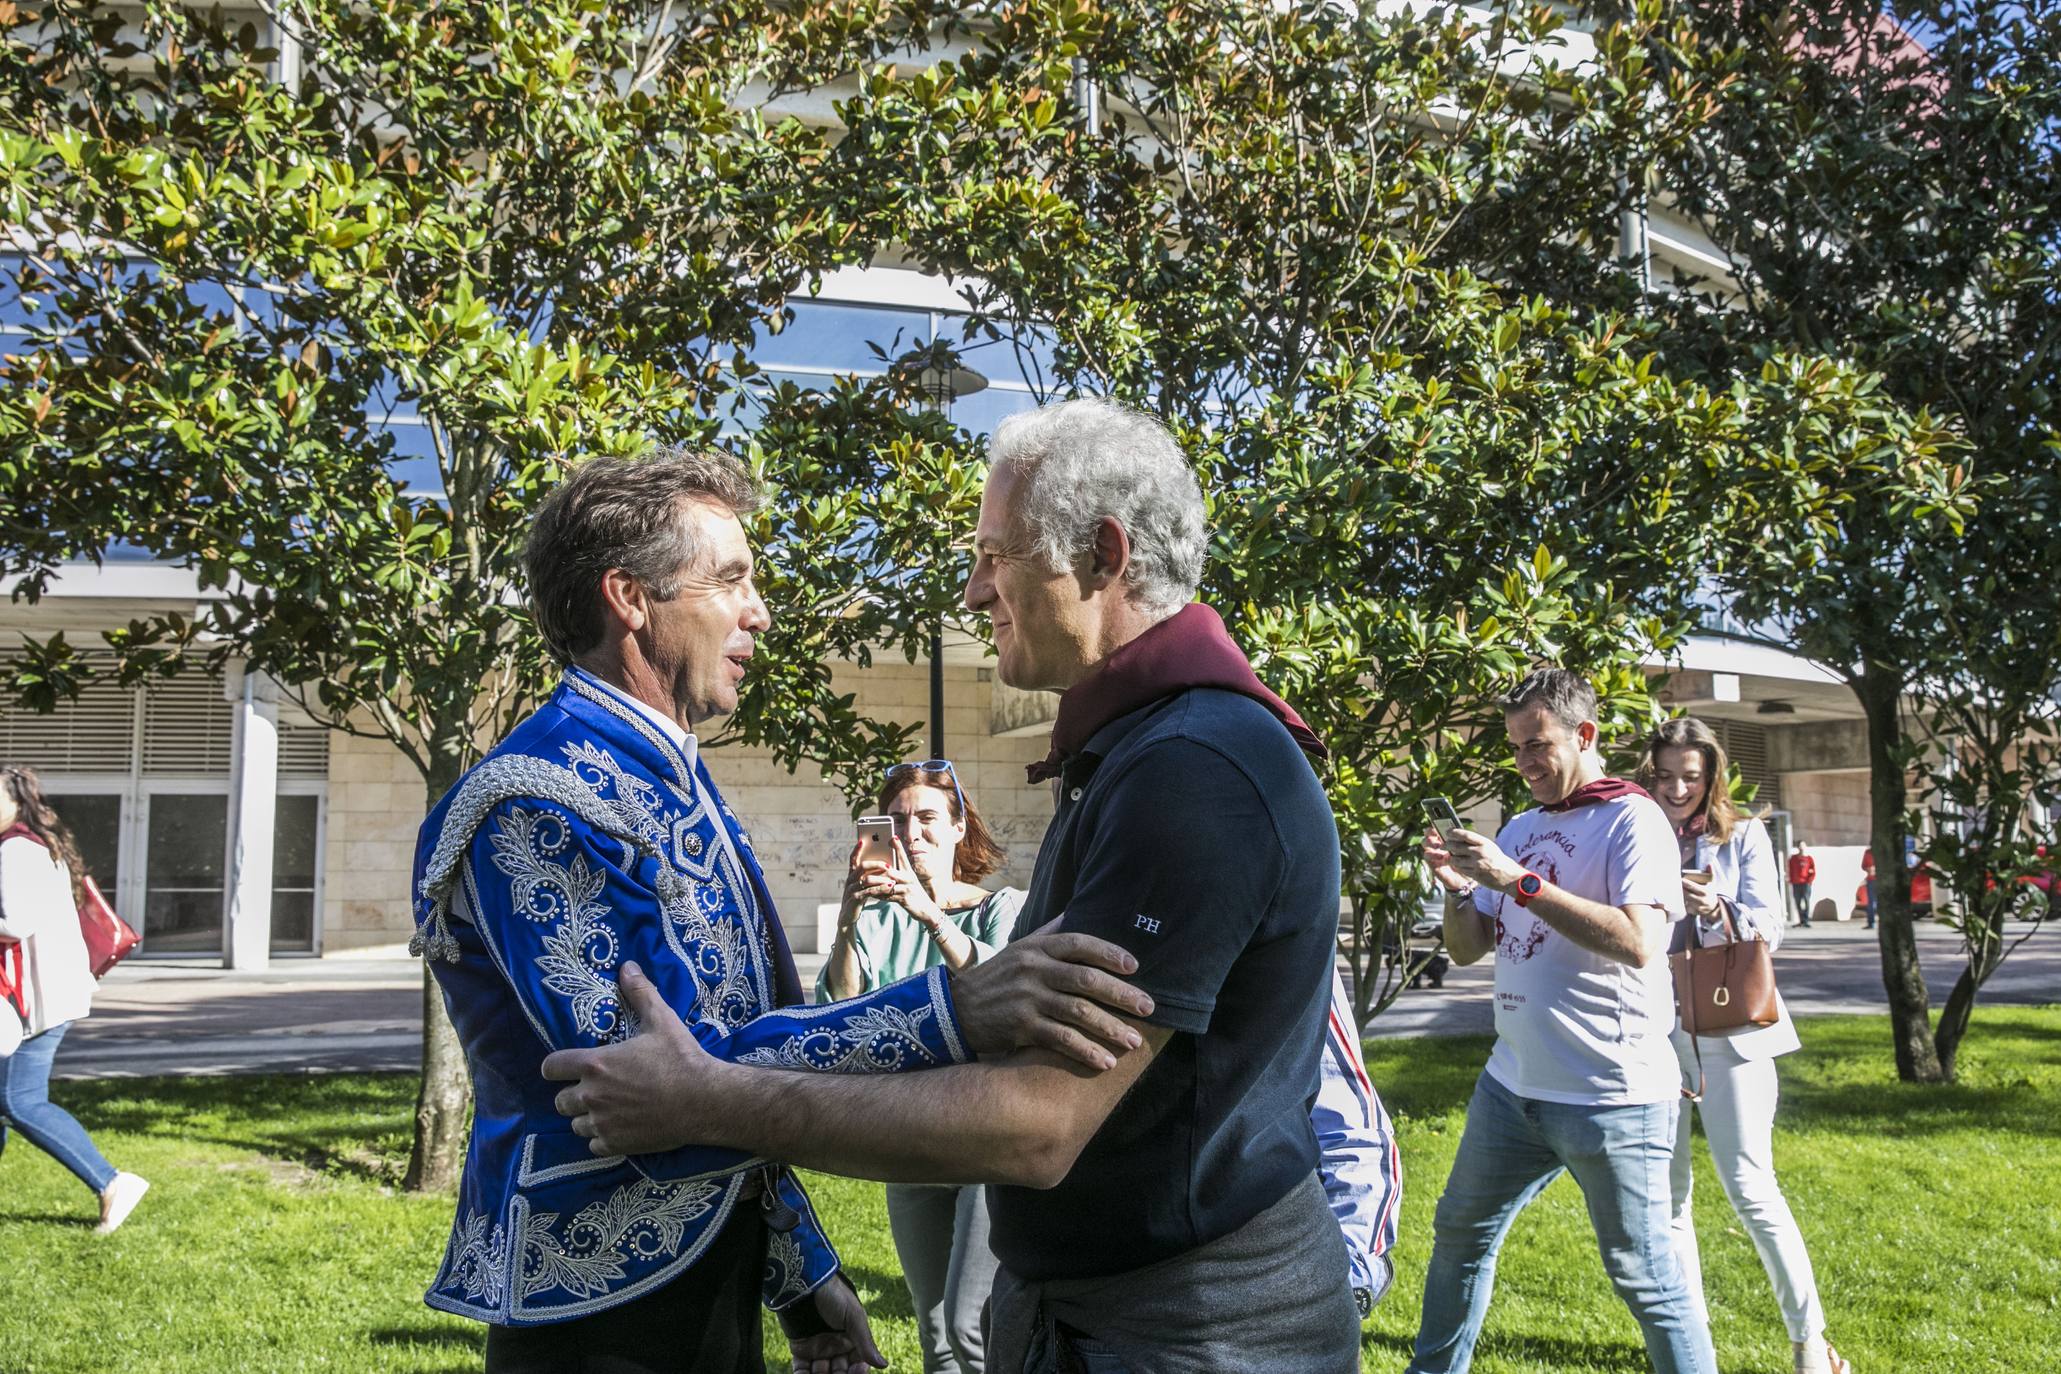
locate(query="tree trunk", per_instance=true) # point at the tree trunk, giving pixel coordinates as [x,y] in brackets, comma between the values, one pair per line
[1985,952]
[443,1102]
[1881,697]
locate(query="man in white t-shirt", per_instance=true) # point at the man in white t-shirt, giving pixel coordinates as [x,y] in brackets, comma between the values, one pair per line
[1575,898]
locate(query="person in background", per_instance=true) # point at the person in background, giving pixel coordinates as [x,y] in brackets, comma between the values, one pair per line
[1358,1162]
[896,922]
[1868,884]
[1684,768]
[39,927]
[1576,898]
[1803,871]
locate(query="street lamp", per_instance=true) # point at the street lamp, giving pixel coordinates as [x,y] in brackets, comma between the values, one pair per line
[940,386]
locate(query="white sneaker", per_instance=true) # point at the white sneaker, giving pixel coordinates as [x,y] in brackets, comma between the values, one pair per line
[1818,1357]
[119,1200]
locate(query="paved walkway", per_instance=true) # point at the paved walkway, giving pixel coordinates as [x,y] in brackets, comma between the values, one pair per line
[328,1015]
[1830,967]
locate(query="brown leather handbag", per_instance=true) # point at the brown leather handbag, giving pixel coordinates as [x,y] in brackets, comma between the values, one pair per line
[1724,987]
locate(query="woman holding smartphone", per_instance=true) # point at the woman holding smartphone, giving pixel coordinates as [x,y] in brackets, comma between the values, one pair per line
[926,908]
[1732,891]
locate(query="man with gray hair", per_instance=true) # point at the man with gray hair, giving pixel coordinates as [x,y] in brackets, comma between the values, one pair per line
[1574,897]
[593,840]
[1164,1216]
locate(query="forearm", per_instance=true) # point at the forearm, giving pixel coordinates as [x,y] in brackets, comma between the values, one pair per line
[842,976]
[1609,931]
[1469,935]
[993,1122]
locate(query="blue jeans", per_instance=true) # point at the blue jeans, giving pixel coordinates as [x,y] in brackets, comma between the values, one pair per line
[1512,1148]
[25,1104]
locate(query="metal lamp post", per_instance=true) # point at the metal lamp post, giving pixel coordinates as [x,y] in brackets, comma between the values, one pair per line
[940,387]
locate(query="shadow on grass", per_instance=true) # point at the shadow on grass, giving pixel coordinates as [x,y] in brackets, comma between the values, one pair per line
[1844,1079]
[465,1338]
[893,1299]
[1532,1352]
[353,1125]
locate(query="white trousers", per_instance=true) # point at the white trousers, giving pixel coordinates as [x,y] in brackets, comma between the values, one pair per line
[1738,1112]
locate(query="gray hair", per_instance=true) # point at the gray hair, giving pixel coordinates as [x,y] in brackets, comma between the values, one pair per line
[1568,696]
[1079,461]
[622,513]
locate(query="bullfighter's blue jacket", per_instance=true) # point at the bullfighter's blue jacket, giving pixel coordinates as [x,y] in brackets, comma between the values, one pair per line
[590,836]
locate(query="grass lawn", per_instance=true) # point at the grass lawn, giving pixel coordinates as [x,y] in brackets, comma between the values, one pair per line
[272,1240]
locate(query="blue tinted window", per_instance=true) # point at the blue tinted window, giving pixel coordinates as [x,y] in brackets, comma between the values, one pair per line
[1024,357]
[385,401]
[983,410]
[414,459]
[836,337]
[16,314]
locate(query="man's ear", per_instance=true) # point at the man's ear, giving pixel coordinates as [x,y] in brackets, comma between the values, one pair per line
[1110,556]
[1586,733]
[624,598]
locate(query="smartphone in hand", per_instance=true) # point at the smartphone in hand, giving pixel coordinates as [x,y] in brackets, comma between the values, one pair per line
[1444,819]
[877,841]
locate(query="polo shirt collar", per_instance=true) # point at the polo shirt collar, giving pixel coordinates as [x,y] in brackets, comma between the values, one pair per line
[1109,736]
[685,742]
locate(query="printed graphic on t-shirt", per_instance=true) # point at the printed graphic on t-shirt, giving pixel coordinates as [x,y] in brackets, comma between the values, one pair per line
[1542,855]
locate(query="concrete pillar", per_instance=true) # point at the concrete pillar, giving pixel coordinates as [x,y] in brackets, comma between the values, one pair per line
[253,801]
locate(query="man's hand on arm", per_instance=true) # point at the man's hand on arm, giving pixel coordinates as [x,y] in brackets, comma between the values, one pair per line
[1050,991]
[1633,935]
[1023,1119]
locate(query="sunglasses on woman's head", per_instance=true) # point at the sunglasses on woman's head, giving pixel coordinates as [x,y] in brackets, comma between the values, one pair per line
[934,766]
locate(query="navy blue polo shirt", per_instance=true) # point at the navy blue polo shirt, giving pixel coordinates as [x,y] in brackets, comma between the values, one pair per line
[1193,833]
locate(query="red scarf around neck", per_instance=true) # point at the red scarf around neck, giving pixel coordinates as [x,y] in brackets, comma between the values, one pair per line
[1190,648]
[1601,790]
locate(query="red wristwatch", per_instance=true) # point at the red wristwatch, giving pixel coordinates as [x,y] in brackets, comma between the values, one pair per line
[1528,887]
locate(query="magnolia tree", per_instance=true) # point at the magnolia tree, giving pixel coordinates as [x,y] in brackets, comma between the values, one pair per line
[1885,198]
[1281,229]
[539,233]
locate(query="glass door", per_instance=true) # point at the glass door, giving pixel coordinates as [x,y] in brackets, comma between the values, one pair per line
[296,866]
[95,819]
[185,871]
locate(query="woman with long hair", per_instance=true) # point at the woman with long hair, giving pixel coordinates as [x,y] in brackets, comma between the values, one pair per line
[928,908]
[1732,892]
[40,875]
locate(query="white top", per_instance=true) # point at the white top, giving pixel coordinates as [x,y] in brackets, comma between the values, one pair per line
[1572,1025]
[1742,870]
[36,908]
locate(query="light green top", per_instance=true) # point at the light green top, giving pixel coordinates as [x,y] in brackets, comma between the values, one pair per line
[891,945]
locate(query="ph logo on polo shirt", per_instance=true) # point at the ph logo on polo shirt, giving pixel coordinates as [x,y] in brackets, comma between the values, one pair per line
[1146,924]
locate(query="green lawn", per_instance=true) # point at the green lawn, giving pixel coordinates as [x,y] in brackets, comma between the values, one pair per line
[272,1240]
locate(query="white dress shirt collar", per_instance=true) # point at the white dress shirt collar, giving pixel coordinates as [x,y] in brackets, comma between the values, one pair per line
[682,739]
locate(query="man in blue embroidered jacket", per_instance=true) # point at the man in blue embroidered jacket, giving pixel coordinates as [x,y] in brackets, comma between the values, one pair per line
[594,835]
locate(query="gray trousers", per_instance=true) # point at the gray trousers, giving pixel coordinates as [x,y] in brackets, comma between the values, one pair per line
[941,1236]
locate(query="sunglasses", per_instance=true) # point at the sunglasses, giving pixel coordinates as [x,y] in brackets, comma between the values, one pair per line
[934,766]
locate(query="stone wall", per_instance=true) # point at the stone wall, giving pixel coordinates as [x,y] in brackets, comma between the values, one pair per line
[1830,813]
[375,805]
[800,825]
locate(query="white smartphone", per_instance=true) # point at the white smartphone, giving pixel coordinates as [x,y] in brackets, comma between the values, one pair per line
[1444,819]
[877,840]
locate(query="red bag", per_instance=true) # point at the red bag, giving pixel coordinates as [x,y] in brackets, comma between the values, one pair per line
[108,937]
[11,975]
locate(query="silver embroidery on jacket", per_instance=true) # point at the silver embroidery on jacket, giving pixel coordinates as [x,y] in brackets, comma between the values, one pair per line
[638,1221]
[876,1040]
